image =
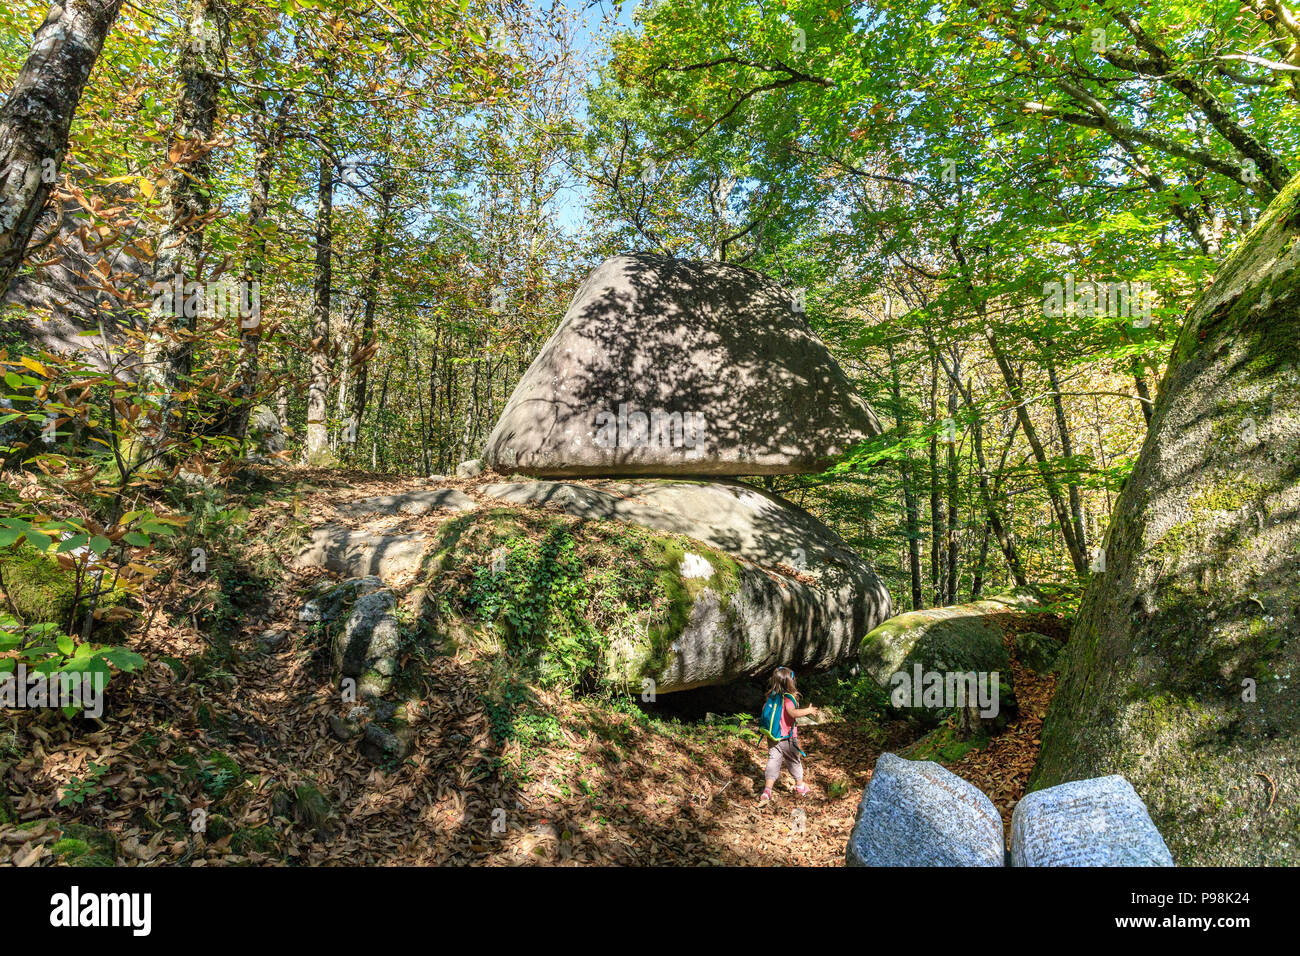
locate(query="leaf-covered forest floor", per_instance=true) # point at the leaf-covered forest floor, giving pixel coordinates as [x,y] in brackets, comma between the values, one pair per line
[229,726]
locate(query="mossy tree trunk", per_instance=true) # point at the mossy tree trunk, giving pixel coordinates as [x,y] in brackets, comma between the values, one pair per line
[1181,670]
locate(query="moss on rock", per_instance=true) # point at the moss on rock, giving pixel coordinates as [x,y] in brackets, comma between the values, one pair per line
[943,745]
[215,771]
[80,845]
[263,840]
[578,600]
[311,806]
[41,591]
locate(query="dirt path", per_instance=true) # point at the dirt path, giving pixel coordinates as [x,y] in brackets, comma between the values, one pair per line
[610,787]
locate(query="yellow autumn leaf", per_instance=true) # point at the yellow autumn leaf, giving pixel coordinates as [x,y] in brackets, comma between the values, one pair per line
[35,366]
[146,188]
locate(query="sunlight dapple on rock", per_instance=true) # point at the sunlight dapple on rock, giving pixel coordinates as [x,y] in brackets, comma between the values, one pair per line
[767,584]
[676,367]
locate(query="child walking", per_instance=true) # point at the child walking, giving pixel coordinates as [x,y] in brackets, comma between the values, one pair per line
[780,711]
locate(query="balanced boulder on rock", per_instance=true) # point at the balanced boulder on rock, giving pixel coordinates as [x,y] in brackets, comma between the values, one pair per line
[664,368]
[672,367]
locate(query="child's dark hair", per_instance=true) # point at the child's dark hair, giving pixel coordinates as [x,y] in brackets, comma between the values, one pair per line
[782,683]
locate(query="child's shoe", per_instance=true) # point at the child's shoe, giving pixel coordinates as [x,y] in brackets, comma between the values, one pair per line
[767,795]
[802,791]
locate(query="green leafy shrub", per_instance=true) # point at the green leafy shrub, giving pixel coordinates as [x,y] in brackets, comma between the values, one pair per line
[44,649]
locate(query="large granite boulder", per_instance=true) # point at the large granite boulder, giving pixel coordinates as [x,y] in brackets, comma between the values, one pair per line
[917,813]
[671,367]
[809,613]
[914,653]
[745,580]
[1097,822]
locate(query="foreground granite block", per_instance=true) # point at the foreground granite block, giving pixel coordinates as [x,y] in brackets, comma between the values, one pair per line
[1097,822]
[916,813]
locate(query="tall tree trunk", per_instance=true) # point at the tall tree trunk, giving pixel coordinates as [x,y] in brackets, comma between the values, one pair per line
[37,116]
[345,434]
[977,581]
[988,497]
[282,398]
[169,351]
[471,412]
[429,436]
[370,293]
[1077,557]
[936,508]
[950,597]
[1067,449]
[259,202]
[419,403]
[909,493]
[1059,508]
[379,415]
[1144,393]
[318,384]
[991,496]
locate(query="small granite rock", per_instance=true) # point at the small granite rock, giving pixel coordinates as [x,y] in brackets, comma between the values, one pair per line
[917,813]
[360,551]
[329,604]
[272,641]
[344,728]
[368,647]
[470,469]
[1037,651]
[1096,822]
[265,432]
[380,744]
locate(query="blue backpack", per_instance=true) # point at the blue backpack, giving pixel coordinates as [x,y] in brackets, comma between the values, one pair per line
[771,719]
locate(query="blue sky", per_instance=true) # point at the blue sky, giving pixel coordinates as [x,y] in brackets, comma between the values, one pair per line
[590,40]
